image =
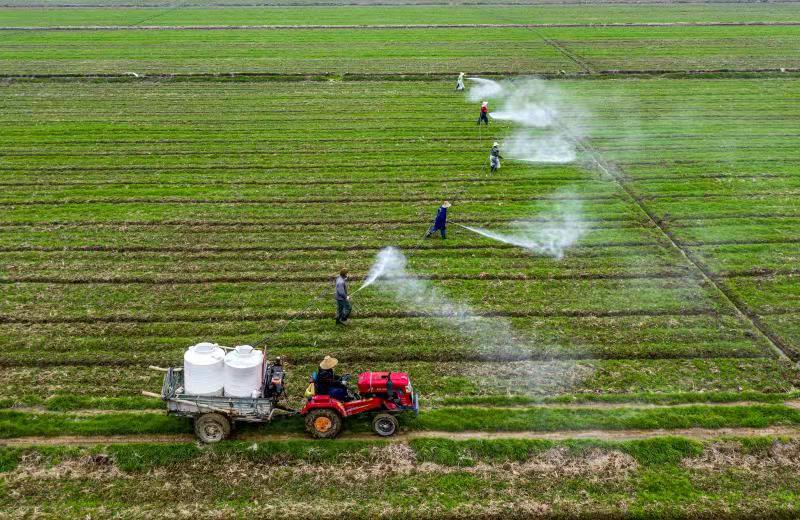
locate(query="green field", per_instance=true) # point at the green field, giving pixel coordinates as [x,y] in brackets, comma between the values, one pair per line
[214,197]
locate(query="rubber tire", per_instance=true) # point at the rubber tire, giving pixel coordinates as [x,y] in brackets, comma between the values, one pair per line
[212,427]
[335,419]
[385,424]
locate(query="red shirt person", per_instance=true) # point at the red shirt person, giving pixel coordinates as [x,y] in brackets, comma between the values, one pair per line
[484,117]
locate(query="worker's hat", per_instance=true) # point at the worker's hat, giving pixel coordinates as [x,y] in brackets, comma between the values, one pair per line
[484,103]
[446,204]
[328,363]
[496,144]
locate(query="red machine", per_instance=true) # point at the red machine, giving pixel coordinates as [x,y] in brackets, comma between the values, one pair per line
[388,393]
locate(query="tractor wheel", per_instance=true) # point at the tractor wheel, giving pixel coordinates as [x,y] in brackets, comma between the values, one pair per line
[385,425]
[212,427]
[323,423]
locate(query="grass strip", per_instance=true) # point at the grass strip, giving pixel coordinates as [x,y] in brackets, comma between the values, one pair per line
[21,424]
[644,398]
[552,419]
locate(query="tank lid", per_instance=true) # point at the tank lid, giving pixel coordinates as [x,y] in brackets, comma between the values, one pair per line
[204,347]
[244,350]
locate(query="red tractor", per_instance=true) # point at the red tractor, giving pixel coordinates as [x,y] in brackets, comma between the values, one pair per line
[384,393]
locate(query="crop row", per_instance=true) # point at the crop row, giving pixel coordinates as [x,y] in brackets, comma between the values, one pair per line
[488,383]
[430,50]
[33,301]
[360,15]
[319,265]
[390,339]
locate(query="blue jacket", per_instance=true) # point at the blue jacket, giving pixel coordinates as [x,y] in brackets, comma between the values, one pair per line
[441,218]
[341,289]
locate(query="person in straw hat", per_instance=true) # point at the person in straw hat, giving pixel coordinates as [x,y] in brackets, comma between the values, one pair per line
[460,81]
[440,222]
[343,306]
[494,157]
[327,383]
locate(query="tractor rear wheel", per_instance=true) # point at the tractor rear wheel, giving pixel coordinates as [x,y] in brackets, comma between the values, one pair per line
[323,423]
[385,425]
[212,427]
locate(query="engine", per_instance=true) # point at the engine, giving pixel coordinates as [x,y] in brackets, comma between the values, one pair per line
[274,380]
[393,386]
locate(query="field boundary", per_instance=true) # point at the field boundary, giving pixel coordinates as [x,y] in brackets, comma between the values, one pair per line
[35,28]
[723,73]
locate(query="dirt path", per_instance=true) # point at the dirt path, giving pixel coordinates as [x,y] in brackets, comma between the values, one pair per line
[387,26]
[579,405]
[619,435]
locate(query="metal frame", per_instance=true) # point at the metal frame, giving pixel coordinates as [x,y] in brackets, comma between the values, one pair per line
[245,409]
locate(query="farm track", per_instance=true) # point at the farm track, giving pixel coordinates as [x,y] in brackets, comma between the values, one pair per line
[568,406]
[690,433]
[139,27]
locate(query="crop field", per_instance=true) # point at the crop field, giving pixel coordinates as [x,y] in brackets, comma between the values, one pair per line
[172,174]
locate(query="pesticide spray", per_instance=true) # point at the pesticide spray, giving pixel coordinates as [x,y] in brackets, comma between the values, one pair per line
[387,259]
[494,337]
[562,229]
[547,123]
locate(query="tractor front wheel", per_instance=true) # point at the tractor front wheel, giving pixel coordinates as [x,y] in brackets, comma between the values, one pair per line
[385,425]
[212,427]
[323,423]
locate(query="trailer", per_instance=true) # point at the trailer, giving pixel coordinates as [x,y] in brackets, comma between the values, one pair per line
[215,416]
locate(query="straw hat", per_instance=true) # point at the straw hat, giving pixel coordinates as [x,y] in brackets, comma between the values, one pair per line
[484,103]
[446,204]
[496,144]
[328,363]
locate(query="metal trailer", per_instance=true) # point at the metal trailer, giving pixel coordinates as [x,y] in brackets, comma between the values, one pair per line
[215,416]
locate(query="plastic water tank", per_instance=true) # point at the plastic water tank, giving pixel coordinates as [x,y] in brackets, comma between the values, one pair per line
[243,371]
[203,369]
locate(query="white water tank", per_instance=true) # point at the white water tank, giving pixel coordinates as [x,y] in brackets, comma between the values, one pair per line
[203,369]
[243,371]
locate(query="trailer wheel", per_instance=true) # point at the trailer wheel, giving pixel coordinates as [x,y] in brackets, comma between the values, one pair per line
[385,425]
[212,427]
[323,423]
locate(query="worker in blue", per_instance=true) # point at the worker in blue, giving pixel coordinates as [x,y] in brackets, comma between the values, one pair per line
[440,223]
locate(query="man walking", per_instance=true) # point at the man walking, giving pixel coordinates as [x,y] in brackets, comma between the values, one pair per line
[484,117]
[440,223]
[343,306]
[494,157]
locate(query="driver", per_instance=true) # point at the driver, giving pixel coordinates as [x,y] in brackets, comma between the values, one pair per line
[327,382]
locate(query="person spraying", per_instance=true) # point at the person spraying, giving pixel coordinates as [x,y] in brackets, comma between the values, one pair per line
[494,157]
[484,117]
[460,82]
[343,306]
[440,222]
